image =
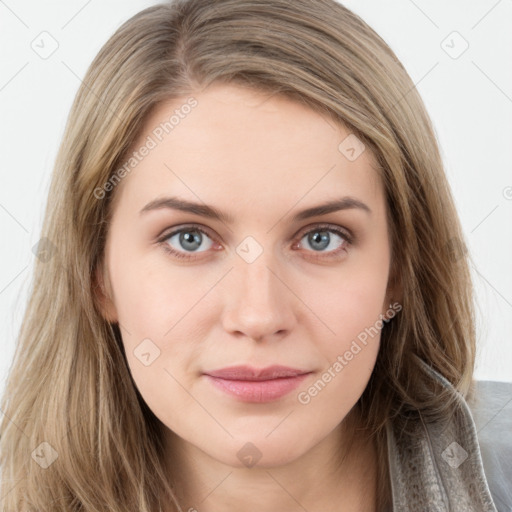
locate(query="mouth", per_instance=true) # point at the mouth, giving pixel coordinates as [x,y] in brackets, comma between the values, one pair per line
[250,384]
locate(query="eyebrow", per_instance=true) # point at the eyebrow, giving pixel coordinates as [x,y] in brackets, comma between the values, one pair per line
[204,210]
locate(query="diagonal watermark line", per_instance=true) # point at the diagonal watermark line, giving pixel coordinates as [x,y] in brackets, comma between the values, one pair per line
[85,293]
[12,280]
[483,277]
[165,165]
[492,81]
[14,423]
[92,92]
[216,487]
[484,218]
[286,491]
[483,17]
[14,218]
[293,410]
[75,15]
[199,403]
[300,300]
[299,200]
[12,488]
[78,282]
[199,300]
[13,13]
[124,328]
[314,185]
[499,412]
[14,76]
[424,14]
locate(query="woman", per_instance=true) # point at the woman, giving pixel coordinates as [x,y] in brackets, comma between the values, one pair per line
[318,350]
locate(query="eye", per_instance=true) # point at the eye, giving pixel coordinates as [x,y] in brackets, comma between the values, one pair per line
[321,239]
[186,240]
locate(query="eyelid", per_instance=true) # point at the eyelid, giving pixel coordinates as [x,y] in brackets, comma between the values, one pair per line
[348,236]
[168,232]
[347,233]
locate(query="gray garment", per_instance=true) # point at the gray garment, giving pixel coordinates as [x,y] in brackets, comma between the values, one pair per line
[463,465]
[492,413]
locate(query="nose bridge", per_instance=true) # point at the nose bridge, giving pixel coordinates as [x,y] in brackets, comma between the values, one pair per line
[257,281]
[259,303]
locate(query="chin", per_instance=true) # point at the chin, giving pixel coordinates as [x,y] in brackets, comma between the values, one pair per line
[261,450]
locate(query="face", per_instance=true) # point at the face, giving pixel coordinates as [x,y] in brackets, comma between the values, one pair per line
[251,275]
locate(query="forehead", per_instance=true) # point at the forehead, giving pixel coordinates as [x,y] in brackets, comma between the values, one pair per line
[229,142]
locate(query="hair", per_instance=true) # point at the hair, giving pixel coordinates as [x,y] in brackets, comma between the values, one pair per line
[69,384]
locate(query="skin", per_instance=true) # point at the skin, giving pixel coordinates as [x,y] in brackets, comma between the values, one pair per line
[261,159]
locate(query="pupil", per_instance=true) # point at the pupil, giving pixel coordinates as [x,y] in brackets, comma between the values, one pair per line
[194,240]
[323,239]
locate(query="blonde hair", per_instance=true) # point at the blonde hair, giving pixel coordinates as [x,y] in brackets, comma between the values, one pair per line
[69,384]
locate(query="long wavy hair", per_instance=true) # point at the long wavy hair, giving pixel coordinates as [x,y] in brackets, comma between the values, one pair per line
[76,434]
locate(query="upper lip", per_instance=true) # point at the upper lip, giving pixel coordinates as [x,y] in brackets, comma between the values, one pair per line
[251,373]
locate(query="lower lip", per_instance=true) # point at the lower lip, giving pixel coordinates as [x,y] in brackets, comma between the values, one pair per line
[258,391]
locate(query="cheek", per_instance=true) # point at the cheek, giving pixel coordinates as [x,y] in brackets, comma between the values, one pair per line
[162,313]
[175,307]
[159,311]
[152,295]
[348,339]
[346,301]
[347,323]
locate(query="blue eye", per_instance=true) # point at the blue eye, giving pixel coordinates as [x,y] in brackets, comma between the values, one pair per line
[191,239]
[321,238]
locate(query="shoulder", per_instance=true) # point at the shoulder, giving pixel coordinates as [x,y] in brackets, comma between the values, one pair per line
[460,462]
[491,408]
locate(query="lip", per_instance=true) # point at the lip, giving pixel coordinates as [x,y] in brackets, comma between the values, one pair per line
[257,385]
[244,372]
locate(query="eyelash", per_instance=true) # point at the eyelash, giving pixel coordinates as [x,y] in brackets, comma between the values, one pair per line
[347,237]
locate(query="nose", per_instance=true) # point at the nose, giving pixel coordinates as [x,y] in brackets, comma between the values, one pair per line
[259,303]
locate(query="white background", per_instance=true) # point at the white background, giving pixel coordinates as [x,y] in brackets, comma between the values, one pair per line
[469,99]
